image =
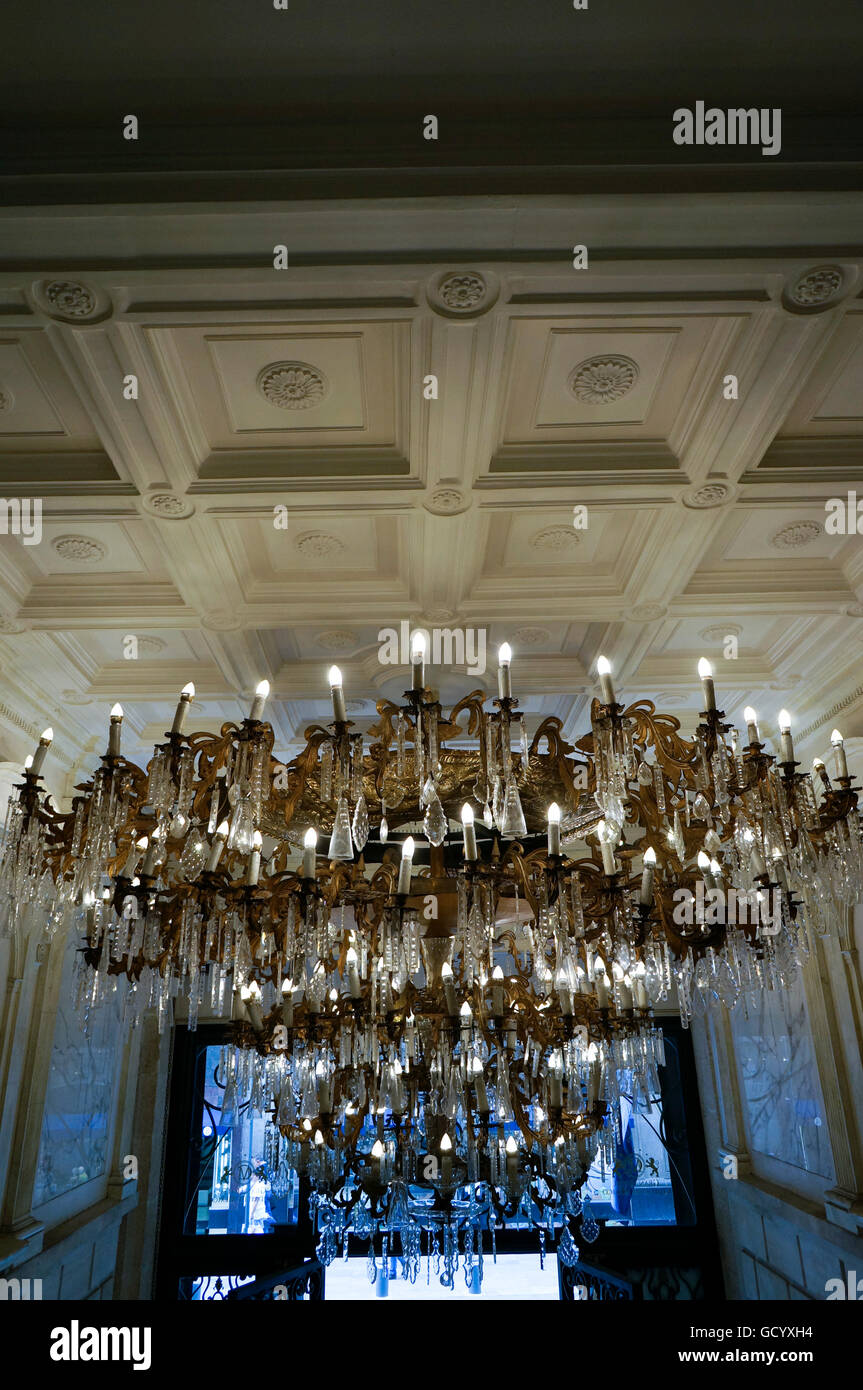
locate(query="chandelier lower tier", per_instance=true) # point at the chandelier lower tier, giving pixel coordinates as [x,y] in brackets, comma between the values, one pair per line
[439,1047]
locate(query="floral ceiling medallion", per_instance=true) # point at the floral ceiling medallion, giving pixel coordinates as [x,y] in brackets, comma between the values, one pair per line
[601,380]
[293,385]
[83,549]
[796,533]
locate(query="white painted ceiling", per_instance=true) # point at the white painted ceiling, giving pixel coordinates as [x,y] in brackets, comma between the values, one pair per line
[706,515]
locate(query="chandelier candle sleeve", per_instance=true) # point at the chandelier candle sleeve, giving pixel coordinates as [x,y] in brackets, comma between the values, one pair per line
[340,714]
[262,690]
[511,1158]
[645,897]
[418,661]
[187,695]
[406,867]
[839,753]
[479,1088]
[705,671]
[554,828]
[114,731]
[351,963]
[603,667]
[756,860]
[601,981]
[504,661]
[253,869]
[786,743]
[448,989]
[497,991]
[310,840]
[217,846]
[466,1022]
[288,1003]
[468,832]
[607,849]
[751,725]
[446,1160]
[42,751]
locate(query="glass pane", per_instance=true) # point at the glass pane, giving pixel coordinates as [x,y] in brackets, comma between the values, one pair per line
[636,1190]
[78,1104]
[239,1191]
[781,1090]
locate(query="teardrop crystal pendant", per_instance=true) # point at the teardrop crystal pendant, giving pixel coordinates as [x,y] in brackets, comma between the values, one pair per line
[360,825]
[384,830]
[435,822]
[194,855]
[701,807]
[341,846]
[512,824]
[487,816]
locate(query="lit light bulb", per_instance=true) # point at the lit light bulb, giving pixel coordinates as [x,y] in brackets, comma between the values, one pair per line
[554,828]
[603,668]
[340,713]
[650,855]
[751,724]
[504,680]
[705,672]
[445,1144]
[262,690]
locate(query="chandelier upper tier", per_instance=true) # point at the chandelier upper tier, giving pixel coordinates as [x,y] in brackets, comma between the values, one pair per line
[484,1011]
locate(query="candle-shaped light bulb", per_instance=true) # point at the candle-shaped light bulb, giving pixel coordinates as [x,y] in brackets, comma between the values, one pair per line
[504,661]
[603,668]
[554,828]
[28,762]
[468,832]
[511,1158]
[607,848]
[41,753]
[262,690]
[339,712]
[446,1159]
[786,744]
[253,869]
[704,866]
[251,996]
[497,991]
[310,840]
[217,846]
[705,672]
[288,1002]
[351,963]
[839,753]
[187,695]
[114,731]
[466,1020]
[645,897]
[406,866]
[751,724]
[418,661]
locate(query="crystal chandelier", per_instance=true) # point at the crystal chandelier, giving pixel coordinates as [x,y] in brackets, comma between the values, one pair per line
[440,1049]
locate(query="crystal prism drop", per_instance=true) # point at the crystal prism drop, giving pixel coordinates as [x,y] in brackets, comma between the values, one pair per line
[487,817]
[360,826]
[340,840]
[512,824]
[384,830]
[701,806]
[435,822]
[194,855]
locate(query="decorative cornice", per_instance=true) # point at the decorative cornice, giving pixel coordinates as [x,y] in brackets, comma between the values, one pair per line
[831,713]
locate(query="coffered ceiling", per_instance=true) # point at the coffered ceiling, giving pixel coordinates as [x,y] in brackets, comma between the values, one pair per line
[286,485]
